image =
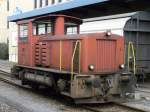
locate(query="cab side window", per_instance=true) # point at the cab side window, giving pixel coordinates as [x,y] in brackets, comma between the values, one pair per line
[42,28]
[23,31]
[70,28]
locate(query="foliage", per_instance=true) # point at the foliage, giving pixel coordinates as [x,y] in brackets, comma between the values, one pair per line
[4,51]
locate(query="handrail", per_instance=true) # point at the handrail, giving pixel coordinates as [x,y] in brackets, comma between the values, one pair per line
[78,42]
[131,47]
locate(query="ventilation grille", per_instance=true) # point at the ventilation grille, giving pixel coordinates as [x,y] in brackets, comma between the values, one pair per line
[41,54]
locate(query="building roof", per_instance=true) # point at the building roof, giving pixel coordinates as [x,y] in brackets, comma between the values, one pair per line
[54,8]
[86,8]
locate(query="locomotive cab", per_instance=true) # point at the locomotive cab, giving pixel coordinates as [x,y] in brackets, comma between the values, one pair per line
[32,30]
[86,67]
[56,25]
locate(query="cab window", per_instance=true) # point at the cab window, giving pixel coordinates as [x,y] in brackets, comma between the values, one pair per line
[23,31]
[70,28]
[42,28]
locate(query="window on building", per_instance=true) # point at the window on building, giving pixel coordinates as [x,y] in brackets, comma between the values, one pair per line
[59,0]
[7,24]
[46,2]
[41,3]
[23,31]
[7,5]
[53,1]
[35,3]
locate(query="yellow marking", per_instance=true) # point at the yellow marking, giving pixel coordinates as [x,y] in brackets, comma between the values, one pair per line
[60,55]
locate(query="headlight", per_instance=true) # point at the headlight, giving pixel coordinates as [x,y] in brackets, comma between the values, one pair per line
[108,33]
[91,67]
[122,66]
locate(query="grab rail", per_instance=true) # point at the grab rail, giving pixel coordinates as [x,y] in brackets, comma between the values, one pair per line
[78,42]
[131,47]
[60,55]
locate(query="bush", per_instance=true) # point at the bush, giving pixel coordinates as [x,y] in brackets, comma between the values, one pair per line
[4,51]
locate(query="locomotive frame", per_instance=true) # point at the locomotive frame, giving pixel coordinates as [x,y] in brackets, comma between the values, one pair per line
[88,68]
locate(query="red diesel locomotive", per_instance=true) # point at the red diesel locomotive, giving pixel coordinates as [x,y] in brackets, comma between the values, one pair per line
[86,67]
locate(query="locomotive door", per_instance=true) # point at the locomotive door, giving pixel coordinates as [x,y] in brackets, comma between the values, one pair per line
[23,44]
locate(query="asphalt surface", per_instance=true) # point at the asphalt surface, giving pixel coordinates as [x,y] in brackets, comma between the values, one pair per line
[19,100]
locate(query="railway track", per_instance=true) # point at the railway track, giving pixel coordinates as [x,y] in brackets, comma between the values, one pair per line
[143,90]
[6,77]
[115,107]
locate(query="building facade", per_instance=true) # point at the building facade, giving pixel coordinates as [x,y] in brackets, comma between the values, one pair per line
[43,3]
[3,21]
[15,7]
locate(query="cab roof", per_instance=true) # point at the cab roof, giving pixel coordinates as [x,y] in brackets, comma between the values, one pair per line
[52,16]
